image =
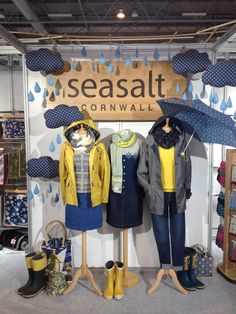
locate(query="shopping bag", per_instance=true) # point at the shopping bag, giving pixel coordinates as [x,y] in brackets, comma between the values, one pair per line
[204,261]
[58,248]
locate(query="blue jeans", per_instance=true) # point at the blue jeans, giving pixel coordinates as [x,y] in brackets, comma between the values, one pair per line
[170,227]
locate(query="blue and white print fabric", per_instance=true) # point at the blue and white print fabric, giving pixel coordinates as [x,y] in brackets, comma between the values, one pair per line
[206,124]
[44,60]
[191,61]
[14,129]
[16,212]
[220,74]
[62,115]
[44,167]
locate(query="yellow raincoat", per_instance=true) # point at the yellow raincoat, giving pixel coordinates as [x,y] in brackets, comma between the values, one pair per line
[99,169]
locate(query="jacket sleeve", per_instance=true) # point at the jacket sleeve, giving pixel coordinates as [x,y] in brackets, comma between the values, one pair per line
[188,171]
[63,173]
[142,171]
[106,168]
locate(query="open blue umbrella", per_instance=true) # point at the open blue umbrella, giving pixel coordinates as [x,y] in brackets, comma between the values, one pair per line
[201,121]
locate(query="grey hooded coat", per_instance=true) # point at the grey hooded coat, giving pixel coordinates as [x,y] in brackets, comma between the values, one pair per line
[149,175]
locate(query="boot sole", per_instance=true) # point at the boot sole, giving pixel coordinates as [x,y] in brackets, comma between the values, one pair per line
[108,298]
[33,295]
[119,297]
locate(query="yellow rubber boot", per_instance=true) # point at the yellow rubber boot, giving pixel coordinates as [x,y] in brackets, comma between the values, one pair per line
[109,287]
[39,263]
[28,261]
[119,291]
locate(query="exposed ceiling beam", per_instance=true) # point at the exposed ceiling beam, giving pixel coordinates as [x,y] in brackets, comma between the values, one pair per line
[83,15]
[225,39]
[11,39]
[29,14]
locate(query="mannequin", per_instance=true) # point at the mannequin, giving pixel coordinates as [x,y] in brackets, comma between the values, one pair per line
[124,208]
[85,179]
[165,175]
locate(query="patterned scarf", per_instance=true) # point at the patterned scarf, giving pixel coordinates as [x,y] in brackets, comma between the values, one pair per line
[82,142]
[166,139]
[123,143]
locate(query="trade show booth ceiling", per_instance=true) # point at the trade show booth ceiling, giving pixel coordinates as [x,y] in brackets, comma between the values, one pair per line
[81,21]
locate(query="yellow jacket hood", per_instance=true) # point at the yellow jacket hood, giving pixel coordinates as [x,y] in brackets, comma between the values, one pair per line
[89,124]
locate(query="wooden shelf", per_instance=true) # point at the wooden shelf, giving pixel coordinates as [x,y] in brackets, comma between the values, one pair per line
[3,227]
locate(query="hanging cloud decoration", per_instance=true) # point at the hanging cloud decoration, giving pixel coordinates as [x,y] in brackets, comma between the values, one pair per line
[220,74]
[62,115]
[44,60]
[191,61]
[44,167]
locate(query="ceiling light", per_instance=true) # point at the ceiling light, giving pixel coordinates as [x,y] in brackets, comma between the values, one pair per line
[194,14]
[134,13]
[60,14]
[120,14]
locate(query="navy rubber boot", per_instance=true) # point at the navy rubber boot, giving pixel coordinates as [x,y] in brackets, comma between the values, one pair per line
[192,264]
[182,276]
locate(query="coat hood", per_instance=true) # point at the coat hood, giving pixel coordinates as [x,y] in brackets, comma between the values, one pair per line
[174,122]
[75,126]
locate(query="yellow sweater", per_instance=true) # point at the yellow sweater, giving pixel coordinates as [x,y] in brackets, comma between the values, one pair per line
[167,159]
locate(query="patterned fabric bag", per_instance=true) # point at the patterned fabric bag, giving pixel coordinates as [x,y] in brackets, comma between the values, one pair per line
[15,210]
[14,129]
[232,201]
[220,237]
[221,204]
[58,249]
[204,261]
[221,173]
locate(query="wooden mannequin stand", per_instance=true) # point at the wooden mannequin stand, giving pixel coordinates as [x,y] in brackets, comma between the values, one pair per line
[166,272]
[130,279]
[83,271]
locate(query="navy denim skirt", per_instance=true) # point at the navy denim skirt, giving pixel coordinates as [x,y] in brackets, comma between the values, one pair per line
[83,217]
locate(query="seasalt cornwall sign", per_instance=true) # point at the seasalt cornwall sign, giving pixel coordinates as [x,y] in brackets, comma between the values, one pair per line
[128,93]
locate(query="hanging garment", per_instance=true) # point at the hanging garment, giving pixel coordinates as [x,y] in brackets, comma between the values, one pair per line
[13,164]
[125,206]
[99,168]
[22,163]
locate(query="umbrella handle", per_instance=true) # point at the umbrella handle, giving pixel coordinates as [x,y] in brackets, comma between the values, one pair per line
[189,141]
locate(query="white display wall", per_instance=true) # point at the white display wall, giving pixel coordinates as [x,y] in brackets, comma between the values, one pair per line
[106,243]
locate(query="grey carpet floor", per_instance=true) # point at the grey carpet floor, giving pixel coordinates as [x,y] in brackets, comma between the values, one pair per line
[219,296]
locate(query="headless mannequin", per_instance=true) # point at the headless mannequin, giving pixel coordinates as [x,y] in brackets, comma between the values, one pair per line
[83,270]
[163,273]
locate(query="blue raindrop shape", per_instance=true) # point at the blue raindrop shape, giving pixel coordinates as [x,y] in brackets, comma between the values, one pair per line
[73,63]
[36,189]
[177,89]
[128,61]
[211,98]
[196,97]
[58,139]
[30,96]
[57,91]
[44,93]
[84,52]
[156,54]
[136,53]
[102,59]
[111,68]
[43,198]
[56,198]
[215,98]
[93,67]
[50,81]
[37,88]
[190,87]
[203,93]
[117,53]
[234,115]
[145,61]
[229,103]
[49,188]
[223,106]
[52,148]
[184,97]
[30,196]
